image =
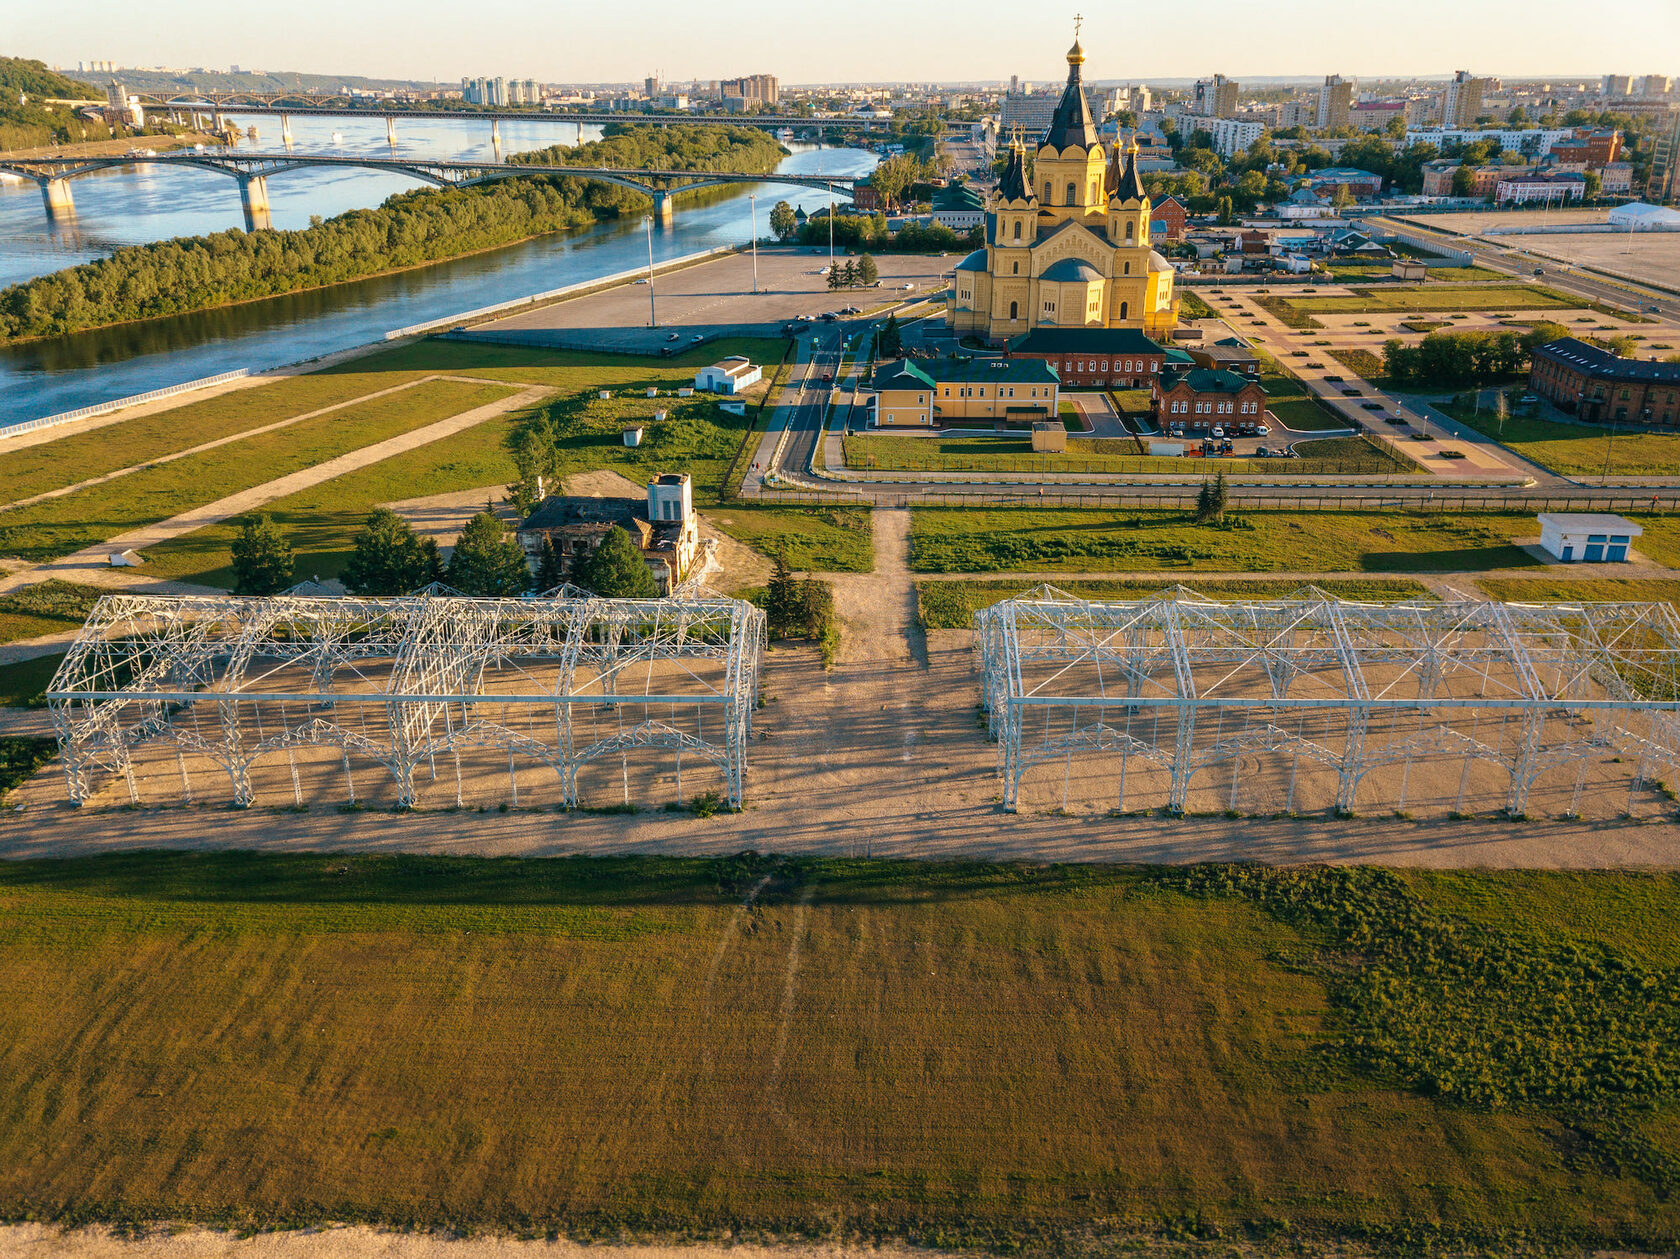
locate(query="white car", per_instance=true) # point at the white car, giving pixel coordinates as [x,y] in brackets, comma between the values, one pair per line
[1262,430]
[908,287]
[1218,430]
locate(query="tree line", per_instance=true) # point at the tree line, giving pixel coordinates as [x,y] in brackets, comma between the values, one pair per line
[1466,357]
[389,558]
[410,229]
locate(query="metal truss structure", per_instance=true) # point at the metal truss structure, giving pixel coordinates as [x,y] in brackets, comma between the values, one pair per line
[406,682]
[1179,683]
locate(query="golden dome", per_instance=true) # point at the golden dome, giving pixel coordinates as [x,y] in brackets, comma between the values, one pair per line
[1076,54]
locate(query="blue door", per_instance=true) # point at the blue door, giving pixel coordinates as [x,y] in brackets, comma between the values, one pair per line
[1568,554]
[1617,554]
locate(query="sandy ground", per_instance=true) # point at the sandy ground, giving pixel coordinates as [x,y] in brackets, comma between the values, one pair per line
[886,756]
[37,1241]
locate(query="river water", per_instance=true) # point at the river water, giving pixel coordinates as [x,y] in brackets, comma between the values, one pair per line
[134,206]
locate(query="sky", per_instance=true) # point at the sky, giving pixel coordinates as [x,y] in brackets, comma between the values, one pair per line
[623,40]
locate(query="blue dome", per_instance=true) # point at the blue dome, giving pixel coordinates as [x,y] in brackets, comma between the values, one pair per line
[975,261]
[1071,269]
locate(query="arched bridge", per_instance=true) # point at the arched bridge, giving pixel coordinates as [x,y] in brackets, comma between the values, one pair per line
[252,170]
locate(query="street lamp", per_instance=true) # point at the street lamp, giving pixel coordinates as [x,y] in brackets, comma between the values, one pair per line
[653,312]
[752,201]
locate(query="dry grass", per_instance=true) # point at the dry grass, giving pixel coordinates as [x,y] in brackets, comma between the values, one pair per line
[973,1054]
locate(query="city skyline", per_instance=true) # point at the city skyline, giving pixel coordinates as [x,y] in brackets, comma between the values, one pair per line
[573,43]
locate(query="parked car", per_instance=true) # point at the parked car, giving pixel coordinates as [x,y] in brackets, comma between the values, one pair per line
[1334,380]
[1372,406]
[1262,430]
[696,339]
[675,336]
[1527,400]
[1218,430]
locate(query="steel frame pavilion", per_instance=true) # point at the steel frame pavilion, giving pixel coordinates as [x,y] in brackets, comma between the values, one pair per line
[407,680]
[1183,683]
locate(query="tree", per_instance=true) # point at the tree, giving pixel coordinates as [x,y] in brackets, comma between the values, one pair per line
[891,344]
[1464,181]
[487,562]
[867,271]
[1227,211]
[1595,185]
[262,560]
[1342,198]
[388,559]
[1210,500]
[536,457]
[833,276]
[617,570]
[548,567]
[781,598]
[848,275]
[783,221]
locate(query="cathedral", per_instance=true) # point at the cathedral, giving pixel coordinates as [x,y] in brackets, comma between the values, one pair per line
[1067,246]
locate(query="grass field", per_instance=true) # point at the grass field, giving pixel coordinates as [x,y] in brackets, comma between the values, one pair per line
[1583,589]
[952,604]
[1577,449]
[47,607]
[1051,539]
[1432,298]
[1014,1058]
[1288,399]
[1366,364]
[23,685]
[21,757]
[1324,457]
[62,525]
[1437,275]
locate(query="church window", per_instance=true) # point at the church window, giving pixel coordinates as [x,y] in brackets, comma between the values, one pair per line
[1123,308]
[1093,198]
[1072,196]
[1128,268]
[1046,192]
[1017,270]
[1129,230]
[1017,231]
[1013,308]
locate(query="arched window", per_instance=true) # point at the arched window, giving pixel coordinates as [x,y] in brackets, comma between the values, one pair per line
[1093,194]
[1017,268]
[1046,192]
[1014,308]
[1072,196]
[1123,306]
[1128,268]
[1017,229]
[1130,227]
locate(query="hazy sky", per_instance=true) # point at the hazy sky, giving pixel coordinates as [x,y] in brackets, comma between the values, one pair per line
[569,41]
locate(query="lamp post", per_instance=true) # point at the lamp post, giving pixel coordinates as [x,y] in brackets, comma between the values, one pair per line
[752,202]
[653,312]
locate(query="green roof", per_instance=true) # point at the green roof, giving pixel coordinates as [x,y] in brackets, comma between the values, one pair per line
[925,373]
[1110,341]
[1207,380]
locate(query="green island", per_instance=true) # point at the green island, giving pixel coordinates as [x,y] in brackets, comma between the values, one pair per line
[410,229]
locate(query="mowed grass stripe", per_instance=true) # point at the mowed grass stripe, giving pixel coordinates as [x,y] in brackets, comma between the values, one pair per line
[1067,539]
[982,1053]
[1436,298]
[80,456]
[60,526]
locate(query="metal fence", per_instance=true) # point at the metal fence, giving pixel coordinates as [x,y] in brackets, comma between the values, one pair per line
[117,404]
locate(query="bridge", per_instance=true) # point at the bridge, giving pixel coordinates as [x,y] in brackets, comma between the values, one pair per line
[252,171]
[303,104]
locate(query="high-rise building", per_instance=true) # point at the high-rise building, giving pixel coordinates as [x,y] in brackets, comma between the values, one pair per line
[1215,97]
[1335,98]
[1617,85]
[1663,186]
[750,91]
[1656,85]
[653,87]
[1461,100]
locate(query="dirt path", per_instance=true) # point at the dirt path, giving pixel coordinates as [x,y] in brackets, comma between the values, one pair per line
[879,608]
[95,559]
[40,1241]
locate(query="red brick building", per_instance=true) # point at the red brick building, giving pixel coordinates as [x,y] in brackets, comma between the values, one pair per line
[1599,387]
[1172,214]
[1208,396]
[1094,358]
[864,197]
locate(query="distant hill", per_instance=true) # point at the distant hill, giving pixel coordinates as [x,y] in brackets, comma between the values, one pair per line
[19,74]
[171,81]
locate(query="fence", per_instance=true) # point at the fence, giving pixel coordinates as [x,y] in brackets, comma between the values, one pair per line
[1419,500]
[117,404]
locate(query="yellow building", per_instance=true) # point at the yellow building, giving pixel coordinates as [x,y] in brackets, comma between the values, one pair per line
[956,393]
[1067,246]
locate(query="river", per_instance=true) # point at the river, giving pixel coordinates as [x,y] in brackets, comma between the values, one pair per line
[137,205]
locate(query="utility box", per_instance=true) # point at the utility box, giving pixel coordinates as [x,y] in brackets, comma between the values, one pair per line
[633,436]
[1049,438]
[1587,537]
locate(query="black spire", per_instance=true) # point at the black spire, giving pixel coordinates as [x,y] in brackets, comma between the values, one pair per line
[1131,185]
[1073,123]
[1013,185]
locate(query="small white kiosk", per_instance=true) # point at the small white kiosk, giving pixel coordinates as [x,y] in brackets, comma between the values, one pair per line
[1587,537]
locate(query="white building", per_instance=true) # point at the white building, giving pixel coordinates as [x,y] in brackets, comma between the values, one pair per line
[1639,216]
[1231,136]
[732,375]
[1587,537]
[1535,144]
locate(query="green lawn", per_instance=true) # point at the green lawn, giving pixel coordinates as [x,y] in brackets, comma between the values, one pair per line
[1324,457]
[59,526]
[1437,275]
[1577,449]
[1366,364]
[1432,298]
[952,604]
[24,685]
[1287,398]
[21,757]
[47,607]
[1583,589]
[1022,1059]
[1060,539]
